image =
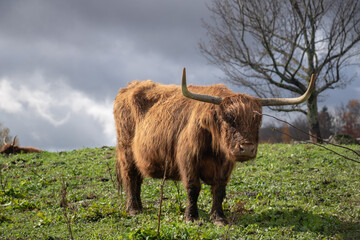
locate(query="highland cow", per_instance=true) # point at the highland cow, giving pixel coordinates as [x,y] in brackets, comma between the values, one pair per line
[12,148]
[194,138]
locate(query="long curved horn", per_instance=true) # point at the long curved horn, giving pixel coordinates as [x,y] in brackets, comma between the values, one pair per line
[290,101]
[195,96]
[4,141]
[14,141]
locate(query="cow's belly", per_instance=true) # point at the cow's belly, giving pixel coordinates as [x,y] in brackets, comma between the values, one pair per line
[154,145]
[152,164]
[212,171]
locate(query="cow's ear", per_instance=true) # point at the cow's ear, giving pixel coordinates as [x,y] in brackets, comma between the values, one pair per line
[209,119]
[210,122]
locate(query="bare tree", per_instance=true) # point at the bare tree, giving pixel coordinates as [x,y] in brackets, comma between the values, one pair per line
[275,45]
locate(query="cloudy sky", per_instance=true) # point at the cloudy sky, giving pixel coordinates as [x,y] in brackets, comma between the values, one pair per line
[63,62]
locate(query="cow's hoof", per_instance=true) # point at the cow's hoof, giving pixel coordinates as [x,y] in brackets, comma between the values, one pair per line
[220,222]
[191,216]
[195,222]
[189,219]
[219,219]
[133,212]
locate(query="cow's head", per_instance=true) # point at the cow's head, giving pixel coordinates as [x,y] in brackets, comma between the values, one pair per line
[239,126]
[238,119]
[9,148]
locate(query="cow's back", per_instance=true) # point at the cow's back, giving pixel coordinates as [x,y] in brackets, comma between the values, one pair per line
[133,102]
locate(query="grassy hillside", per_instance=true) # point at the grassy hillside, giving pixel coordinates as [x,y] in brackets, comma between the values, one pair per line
[288,191]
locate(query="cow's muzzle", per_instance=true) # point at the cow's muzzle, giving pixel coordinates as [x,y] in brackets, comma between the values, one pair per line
[245,151]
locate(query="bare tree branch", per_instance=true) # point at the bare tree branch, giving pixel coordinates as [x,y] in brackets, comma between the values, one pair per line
[281,43]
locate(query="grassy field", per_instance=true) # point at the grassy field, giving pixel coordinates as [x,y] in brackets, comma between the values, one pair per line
[287,192]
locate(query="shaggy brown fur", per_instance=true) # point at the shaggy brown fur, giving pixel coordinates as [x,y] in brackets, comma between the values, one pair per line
[12,148]
[157,127]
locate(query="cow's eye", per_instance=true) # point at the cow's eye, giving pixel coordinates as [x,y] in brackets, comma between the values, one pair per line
[233,124]
[229,118]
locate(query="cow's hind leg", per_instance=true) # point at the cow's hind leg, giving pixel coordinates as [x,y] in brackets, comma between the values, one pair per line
[131,181]
[217,214]
[133,199]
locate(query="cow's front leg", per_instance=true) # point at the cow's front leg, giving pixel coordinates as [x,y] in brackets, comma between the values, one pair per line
[217,214]
[193,190]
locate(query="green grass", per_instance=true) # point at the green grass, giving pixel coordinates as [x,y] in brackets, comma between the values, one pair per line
[287,192]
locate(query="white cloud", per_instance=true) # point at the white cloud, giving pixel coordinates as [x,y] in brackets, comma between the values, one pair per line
[99,111]
[8,97]
[54,102]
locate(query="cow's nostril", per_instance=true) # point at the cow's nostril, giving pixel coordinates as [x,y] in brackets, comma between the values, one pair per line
[241,149]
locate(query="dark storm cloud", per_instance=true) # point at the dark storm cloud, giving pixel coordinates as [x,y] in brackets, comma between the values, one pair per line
[94,45]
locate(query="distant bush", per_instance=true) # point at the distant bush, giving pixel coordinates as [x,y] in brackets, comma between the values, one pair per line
[343,139]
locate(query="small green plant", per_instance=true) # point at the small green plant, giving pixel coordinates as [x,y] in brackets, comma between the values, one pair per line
[142,234]
[3,179]
[64,206]
[43,220]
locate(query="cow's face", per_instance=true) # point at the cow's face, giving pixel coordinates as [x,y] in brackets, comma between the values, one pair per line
[239,127]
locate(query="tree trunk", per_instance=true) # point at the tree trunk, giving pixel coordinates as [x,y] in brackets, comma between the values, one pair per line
[313,119]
